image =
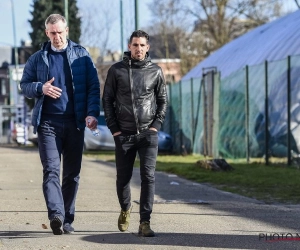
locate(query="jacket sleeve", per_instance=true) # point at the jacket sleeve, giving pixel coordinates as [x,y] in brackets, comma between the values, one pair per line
[108,99]
[93,89]
[161,101]
[29,85]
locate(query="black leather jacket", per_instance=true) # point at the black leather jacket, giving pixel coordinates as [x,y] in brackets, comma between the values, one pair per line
[134,97]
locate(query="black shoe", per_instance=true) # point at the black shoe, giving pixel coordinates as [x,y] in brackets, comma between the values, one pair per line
[55,225]
[68,229]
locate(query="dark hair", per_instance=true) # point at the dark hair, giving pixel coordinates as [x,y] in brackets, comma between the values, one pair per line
[139,33]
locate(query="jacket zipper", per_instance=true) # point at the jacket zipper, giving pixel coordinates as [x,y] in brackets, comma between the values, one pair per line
[132,98]
[74,102]
[45,59]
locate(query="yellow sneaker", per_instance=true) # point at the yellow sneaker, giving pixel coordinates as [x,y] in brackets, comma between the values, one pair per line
[145,230]
[124,218]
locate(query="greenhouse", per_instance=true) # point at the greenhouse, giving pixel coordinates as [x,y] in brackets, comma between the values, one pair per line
[219,108]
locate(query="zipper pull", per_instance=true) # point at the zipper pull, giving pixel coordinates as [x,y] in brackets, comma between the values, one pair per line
[130,63]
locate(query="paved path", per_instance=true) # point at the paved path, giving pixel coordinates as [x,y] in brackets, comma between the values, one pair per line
[186,215]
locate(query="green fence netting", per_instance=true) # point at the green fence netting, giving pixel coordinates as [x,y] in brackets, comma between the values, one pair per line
[256,104]
[186,117]
[231,139]
[295,104]
[251,117]
[175,114]
[197,146]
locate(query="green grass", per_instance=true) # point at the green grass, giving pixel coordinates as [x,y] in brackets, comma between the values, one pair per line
[101,155]
[275,183]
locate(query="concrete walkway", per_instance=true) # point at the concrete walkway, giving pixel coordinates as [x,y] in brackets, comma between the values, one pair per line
[186,215]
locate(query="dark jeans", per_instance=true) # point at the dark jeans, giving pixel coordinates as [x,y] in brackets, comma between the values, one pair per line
[127,146]
[56,138]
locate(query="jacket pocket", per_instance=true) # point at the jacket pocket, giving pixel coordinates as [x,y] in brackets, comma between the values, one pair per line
[124,113]
[146,113]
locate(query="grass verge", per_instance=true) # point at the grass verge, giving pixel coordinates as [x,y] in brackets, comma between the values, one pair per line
[275,183]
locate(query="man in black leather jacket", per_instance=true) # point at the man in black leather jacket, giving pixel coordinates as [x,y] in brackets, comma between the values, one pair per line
[135,104]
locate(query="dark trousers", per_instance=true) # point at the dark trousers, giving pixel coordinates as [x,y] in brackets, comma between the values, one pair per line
[127,146]
[56,138]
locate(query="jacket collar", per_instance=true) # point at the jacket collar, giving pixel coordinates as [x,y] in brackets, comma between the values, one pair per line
[136,63]
[59,50]
[47,45]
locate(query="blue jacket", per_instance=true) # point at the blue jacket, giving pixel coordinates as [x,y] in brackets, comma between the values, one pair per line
[86,86]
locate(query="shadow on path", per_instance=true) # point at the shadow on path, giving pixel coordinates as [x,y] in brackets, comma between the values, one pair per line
[192,240]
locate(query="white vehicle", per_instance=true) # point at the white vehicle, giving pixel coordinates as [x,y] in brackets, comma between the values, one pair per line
[19,134]
[104,141]
[31,136]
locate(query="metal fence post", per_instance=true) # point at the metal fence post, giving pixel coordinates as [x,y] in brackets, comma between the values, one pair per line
[205,139]
[289,110]
[192,114]
[247,112]
[180,113]
[216,114]
[170,110]
[266,115]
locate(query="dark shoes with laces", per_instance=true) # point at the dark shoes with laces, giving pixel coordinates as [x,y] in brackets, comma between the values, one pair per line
[55,225]
[58,228]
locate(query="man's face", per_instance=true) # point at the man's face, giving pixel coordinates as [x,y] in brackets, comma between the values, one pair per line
[57,33]
[138,48]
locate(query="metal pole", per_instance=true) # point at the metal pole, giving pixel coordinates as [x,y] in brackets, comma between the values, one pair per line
[247,113]
[180,117]
[136,8]
[121,28]
[266,115]
[15,41]
[289,110]
[171,110]
[205,148]
[192,114]
[17,64]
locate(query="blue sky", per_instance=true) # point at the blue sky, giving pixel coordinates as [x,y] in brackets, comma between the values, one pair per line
[22,10]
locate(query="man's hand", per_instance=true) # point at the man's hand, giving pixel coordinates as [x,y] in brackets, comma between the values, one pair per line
[117,133]
[50,90]
[154,129]
[91,122]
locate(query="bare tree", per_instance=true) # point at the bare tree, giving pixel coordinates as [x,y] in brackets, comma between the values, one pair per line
[223,20]
[167,29]
[199,27]
[97,24]
[96,33]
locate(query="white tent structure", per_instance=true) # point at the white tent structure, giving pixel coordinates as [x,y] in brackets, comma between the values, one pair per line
[272,41]
[265,107]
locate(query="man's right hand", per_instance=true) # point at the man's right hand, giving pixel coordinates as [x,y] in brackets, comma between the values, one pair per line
[117,133]
[50,90]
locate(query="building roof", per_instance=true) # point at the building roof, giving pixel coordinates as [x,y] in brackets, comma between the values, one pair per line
[272,41]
